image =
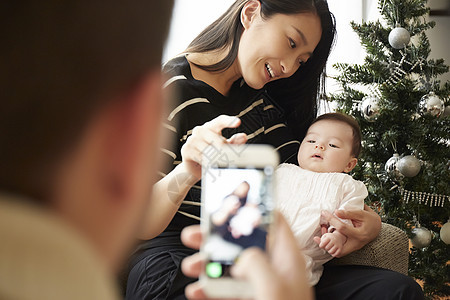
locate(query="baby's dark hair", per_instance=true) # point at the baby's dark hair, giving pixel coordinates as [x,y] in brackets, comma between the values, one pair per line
[356,147]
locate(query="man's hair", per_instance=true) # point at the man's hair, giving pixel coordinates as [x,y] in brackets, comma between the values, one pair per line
[356,146]
[60,63]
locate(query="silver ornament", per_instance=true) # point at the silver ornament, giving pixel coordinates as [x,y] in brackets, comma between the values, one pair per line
[446,112]
[409,166]
[370,108]
[391,167]
[431,104]
[421,237]
[445,232]
[399,38]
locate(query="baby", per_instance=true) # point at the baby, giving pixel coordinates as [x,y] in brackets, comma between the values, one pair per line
[328,151]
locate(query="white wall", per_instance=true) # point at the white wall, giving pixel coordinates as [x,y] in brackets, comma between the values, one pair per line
[439,35]
[347,48]
[189,18]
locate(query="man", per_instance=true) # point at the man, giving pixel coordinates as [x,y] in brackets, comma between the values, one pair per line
[81,102]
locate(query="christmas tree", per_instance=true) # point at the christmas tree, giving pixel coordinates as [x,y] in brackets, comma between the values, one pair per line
[401,107]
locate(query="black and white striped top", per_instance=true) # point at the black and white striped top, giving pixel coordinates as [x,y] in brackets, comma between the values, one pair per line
[194,102]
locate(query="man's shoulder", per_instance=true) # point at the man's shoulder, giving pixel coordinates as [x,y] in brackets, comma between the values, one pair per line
[57,262]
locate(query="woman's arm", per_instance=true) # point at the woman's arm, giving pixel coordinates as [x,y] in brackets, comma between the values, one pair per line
[366,227]
[167,195]
[169,192]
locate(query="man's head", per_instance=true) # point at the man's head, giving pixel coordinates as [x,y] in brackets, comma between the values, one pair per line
[332,144]
[81,104]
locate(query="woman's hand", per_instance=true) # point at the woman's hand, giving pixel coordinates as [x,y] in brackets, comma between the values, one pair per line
[169,192]
[366,226]
[208,137]
[280,276]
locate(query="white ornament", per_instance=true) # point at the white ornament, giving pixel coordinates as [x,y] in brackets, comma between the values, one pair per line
[391,167]
[421,237]
[409,166]
[370,108]
[445,232]
[399,38]
[431,104]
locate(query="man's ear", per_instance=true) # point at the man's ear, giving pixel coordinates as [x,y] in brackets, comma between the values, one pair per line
[351,164]
[132,139]
[249,11]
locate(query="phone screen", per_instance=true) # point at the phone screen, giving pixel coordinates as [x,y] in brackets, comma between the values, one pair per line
[238,207]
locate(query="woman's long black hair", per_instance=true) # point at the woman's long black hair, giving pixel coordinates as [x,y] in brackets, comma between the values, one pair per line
[297,95]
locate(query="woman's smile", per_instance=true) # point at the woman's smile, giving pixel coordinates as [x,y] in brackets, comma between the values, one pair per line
[274,48]
[270,71]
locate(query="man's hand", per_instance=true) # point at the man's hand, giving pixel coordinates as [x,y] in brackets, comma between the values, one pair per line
[280,276]
[366,227]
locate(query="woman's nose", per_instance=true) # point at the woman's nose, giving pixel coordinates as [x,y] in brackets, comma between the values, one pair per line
[320,147]
[289,66]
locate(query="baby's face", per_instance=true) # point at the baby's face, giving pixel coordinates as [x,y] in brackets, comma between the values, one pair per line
[327,147]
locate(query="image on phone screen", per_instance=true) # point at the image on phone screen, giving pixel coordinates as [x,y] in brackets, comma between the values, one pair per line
[238,205]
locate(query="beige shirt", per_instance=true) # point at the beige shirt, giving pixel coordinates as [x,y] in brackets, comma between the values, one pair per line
[302,195]
[42,258]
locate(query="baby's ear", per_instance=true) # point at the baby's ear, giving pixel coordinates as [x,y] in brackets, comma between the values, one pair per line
[351,164]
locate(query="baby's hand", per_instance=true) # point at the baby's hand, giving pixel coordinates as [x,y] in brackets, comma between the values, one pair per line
[331,242]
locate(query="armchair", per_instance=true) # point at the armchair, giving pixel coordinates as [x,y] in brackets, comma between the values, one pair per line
[390,250]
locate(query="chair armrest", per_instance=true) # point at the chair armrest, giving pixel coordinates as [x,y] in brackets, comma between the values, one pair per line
[390,250]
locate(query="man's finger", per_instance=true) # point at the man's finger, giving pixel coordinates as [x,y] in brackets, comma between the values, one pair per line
[191,236]
[193,265]
[254,266]
[194,291]
[285,254]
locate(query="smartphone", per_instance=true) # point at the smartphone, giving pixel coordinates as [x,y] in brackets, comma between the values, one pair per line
[237,211]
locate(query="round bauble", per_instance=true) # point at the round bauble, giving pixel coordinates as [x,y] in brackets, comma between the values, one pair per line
[445,233]
[421,237]
[391,167]
[399,38]
[431,104]
[409,166]
[446,112]
[370,108]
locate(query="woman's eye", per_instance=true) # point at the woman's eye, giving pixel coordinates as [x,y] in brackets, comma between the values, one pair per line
[292,43]
[333,146]
[311,141]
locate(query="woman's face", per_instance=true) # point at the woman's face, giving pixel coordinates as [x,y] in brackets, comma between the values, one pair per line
[275,48]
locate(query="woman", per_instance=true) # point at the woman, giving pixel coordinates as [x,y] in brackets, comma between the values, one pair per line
[262,61]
